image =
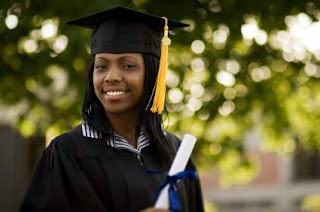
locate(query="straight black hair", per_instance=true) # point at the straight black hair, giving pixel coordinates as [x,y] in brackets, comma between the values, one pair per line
[94,115]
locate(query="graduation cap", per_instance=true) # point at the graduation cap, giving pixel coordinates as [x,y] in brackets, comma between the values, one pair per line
[123,30]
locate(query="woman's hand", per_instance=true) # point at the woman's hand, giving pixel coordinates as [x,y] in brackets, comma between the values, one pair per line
[155,210]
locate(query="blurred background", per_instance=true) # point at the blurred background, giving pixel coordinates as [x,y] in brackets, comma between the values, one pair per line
[243,78]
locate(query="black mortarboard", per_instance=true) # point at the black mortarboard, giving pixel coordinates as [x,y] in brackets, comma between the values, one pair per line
[123,30]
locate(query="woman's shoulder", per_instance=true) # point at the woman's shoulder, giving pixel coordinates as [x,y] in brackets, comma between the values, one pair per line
[65,137]
[171,136]
[64,140]
[82,142]
[173,140]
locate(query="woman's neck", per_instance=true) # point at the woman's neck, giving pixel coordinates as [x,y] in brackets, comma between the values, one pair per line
[125,125]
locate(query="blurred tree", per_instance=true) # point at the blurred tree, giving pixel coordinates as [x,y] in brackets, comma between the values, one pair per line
[240,65]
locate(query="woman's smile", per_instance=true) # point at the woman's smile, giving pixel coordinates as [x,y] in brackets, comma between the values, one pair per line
[114,91]
[115,95]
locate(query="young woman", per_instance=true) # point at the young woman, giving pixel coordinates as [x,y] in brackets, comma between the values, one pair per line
[103,164]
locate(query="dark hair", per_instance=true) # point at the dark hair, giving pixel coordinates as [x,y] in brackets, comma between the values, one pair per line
[94,115]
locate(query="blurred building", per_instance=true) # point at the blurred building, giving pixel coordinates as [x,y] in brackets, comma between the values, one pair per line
[281,185]
[17,157]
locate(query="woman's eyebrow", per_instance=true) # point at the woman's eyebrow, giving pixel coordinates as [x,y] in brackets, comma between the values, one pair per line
[127,57]
[100,58]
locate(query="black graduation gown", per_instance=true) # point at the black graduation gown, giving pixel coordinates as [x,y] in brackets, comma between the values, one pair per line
[76,173]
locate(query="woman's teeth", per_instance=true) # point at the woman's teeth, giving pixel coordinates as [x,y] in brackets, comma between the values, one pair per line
[115,93]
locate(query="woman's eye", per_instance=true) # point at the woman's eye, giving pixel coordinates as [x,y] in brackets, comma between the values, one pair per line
[129,66]
[100,67]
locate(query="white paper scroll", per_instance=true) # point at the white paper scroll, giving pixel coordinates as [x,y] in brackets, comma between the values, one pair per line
[178,165]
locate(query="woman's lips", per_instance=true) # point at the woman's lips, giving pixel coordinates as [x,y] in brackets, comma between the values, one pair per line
[114,94]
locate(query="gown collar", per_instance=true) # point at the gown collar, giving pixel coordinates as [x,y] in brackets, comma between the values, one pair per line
[117,141]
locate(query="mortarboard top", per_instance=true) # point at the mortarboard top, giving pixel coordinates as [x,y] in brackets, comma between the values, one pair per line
[123,30]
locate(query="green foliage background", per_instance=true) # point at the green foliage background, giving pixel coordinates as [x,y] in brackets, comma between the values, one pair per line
[285,107]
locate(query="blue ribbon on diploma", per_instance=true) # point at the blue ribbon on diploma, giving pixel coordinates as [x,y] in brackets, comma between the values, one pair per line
[172,180]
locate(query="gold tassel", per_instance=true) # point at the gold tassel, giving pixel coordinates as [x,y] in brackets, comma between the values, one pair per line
[160,92]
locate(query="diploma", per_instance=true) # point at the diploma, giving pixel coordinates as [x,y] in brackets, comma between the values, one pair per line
[179,164]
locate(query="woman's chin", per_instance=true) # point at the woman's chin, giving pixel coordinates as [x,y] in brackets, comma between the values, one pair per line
[114,110]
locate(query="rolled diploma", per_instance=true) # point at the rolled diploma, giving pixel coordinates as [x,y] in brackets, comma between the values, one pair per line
[179,164]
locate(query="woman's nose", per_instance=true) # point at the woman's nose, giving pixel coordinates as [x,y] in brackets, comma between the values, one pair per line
[113,75]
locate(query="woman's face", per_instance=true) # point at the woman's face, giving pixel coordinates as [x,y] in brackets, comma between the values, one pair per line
[118,81]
